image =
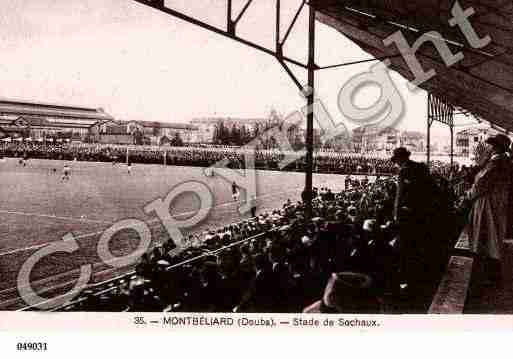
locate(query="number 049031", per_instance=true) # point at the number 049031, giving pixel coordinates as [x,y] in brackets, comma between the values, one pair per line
[32,346]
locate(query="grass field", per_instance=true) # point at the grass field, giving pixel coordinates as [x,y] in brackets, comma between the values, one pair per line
[38,208]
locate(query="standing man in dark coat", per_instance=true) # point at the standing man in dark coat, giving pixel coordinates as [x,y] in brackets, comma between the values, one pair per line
[415,205]
[502,144]
[490,215]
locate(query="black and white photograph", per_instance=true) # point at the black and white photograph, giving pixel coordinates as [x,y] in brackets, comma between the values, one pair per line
[256,163]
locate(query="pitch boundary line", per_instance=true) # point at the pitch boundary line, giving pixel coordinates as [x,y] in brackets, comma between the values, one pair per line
[31,214]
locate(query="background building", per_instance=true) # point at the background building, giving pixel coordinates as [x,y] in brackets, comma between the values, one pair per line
[467,139]
[110,132]
[41,120]
[414,141]
[374,138]
[210,128]
[222,130]
[143,132]
[158,133]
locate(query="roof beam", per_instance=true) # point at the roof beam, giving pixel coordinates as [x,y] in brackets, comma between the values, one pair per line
[358,62]
[229,33]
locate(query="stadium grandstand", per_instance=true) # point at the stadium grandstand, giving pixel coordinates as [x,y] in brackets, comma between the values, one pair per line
[39,120]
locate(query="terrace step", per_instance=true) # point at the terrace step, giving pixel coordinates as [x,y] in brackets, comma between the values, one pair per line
[452,292]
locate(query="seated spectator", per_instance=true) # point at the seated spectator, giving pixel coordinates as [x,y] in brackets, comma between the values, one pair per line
[211,286]
[259,297]
[281,277]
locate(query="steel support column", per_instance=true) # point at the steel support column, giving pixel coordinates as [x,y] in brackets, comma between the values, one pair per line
[451,128]
[428,141]
[310,116]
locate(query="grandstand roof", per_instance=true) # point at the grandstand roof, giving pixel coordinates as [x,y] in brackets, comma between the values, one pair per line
[481,83]
[476,130]
[27,108]
[34,121]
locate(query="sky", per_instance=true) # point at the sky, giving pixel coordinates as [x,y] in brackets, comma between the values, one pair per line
[141,64]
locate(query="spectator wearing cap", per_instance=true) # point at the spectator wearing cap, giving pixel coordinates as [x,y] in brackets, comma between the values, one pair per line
[246,264]
[212,285]
[259,297]
[281,277]
[489,195]
[413,208]
[352,214]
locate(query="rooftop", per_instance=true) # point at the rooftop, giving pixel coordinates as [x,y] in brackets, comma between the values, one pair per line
[16,107]
[230,119]
[156,124]
[36,121]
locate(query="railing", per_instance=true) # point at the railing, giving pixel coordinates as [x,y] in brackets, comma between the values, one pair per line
[112,284]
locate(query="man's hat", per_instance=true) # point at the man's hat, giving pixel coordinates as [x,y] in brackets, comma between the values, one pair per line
[350,292]
[400,152]
[369,225]
[163,263]
[352,210]
[501,141]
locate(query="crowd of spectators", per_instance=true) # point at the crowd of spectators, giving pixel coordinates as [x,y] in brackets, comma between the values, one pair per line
[204,156]
[275,262]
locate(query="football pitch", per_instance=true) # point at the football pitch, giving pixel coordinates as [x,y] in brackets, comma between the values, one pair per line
[38,208]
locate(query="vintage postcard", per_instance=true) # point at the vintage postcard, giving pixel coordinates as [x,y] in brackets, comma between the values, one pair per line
[173,166]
